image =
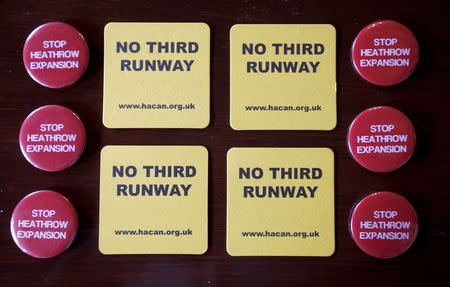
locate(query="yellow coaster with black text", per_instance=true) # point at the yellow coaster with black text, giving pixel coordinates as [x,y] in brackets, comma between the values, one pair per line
[153,200]
[280,202]
[283,77]
[156,75]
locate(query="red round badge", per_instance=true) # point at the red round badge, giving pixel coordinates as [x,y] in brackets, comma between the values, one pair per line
[55,55]
[381,139]
[52,138]
[383,224]
[385,53]
[44,224]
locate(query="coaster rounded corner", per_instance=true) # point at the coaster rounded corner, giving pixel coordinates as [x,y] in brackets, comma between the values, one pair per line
[235,27]
[107,123]
[109,26]
[230,251]
[235,125]
[332,125]
[205,26]
[102,249]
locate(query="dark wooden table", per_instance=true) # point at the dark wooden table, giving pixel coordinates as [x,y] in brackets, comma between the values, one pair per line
[424,97]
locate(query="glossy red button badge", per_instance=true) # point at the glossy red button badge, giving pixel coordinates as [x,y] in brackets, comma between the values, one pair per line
[385,53]
[52,138]
[44,224]
[381,139]
[383,224]
[55,55]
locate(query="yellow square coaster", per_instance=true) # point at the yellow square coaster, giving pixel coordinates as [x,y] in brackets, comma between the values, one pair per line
[153,200]
[280,202]
[283,77]
[156,75]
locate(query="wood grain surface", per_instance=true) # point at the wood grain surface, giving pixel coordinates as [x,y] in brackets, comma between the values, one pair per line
[424,180]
